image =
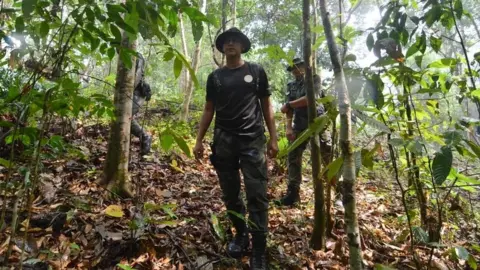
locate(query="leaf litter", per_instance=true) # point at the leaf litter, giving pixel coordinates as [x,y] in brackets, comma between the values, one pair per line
[178,220]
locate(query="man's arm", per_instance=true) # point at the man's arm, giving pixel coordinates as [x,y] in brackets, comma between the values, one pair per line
[207,116]
[269,117]
[299,103]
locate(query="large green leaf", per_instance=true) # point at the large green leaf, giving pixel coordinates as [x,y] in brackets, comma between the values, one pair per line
[28,6]
[475,148]
[166,141]
[370,42]
[461,253]
[371,121]
[442,163]
[443,63]
[333,168]
[217,227]
[458,8]
[177,67]
[420,235]
[44,28]
[182,144]
[436,43]
[318,125]
[126,58]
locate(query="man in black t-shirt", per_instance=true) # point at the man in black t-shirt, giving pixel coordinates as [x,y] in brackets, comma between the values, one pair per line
[240,97]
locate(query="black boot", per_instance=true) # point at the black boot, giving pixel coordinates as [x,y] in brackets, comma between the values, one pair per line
[291,197]
[238,245]
[258,261]
[146,144]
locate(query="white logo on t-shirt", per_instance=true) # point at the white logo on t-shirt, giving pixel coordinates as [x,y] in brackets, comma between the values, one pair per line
[248,78]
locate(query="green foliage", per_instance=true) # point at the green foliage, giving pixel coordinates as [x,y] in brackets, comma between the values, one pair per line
[442,163]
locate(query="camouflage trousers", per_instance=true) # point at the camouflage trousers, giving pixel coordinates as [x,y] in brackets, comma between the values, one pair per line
[295,159]
[135,128]
[230,155]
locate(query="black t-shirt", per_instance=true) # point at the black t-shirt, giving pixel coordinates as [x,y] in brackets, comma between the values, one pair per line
[236,99]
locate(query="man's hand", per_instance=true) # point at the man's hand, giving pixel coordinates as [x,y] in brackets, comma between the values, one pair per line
[272,148]
[285,108]
[198,150]
[290,134]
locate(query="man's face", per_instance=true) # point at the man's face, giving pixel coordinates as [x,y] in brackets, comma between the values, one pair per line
[298,71]
[232,46]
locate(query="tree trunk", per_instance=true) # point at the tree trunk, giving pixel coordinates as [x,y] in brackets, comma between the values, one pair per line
[349,196]
[195,64]
[234,12]
[318,236]
[224,24]
[184,78]
[314,36]
[115,173]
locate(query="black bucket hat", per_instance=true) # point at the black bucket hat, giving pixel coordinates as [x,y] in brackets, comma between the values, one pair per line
[296,62]
[233,32]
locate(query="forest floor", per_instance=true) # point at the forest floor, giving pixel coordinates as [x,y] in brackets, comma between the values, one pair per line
[177,220]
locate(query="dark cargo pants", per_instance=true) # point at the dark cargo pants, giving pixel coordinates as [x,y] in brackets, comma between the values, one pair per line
[231,153]
[295,159]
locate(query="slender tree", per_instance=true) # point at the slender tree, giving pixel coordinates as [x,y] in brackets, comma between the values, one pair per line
[349,198]
[318,237]
[195,64]
[116,165]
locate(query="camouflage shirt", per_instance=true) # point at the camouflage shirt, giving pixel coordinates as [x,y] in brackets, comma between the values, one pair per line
[295,90]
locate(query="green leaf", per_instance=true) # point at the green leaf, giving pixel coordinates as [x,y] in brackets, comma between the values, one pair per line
[28,6]
[462,253]
[19,24]
[442,163]
[383,267]
[217,227]
[458,8]
[5,163]
[420,235]
[350,57]
[370,42]
[475,93]
[418,60]
[453,137]
[116,33]
[412,50]
[111,53]
[182,144]
[126,58]
[371,121]
[317,126]
[177,67]
[74,246]
[334,167]
[415,19]
[44,28]
[168,56]
[125,266]
[166,141]
[443,63]
[396,142]
[472,262]
[433,15]
[436,43]
[475,148]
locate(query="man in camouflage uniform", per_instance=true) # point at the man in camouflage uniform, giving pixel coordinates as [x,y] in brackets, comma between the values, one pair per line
[296,108]
[141,94]
[239,96]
